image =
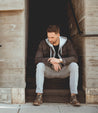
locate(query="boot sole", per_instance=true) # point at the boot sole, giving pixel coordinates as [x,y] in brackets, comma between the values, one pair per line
[37,104]
[77,105]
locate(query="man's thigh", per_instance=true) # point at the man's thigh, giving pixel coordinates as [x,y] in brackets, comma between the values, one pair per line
[50,73]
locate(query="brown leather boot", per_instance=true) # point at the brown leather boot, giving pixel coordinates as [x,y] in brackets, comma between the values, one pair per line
[38,100]
[74,101]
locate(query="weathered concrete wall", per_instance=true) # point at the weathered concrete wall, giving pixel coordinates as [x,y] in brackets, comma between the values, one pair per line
[5,95]
[12,39]
[6,5]
[86,12]
[79,10]
[87,49]
[12,95]
[91,69]
[91,17]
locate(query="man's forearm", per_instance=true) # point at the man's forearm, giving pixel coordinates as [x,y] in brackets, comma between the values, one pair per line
[69,60]
[44,60]
[55,60]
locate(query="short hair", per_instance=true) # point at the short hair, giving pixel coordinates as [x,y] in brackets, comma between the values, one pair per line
[53,28]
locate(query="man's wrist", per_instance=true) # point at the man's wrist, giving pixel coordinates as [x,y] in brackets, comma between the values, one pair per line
[61,60]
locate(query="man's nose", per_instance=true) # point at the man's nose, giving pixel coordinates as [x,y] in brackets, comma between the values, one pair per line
[50,40]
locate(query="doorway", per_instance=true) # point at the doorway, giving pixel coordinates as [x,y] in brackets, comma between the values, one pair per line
[53,87]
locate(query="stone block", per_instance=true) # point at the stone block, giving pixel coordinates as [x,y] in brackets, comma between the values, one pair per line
[6,5]
[5,95]
[92,95]
[18,95]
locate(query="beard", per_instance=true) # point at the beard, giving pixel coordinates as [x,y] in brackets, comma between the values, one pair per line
[53,42]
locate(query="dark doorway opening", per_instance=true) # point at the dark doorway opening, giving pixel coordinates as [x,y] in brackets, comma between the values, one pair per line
[52,86]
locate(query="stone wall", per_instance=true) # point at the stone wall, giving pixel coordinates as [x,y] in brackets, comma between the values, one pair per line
[13,49]
[86,12]
[5,95]
[87,49]
[91,17]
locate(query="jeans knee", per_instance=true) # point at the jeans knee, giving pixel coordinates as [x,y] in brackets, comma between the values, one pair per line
[73,66]
[40,66]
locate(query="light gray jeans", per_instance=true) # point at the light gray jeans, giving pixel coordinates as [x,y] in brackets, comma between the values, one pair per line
[44,71]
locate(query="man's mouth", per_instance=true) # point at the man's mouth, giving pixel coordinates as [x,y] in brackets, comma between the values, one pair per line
[51,42]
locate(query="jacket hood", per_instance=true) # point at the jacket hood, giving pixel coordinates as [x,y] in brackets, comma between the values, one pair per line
[63,40]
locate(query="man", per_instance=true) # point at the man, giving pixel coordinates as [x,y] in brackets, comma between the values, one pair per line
[56,58]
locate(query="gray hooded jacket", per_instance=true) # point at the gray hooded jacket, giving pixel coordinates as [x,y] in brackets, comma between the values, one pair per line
[66,52]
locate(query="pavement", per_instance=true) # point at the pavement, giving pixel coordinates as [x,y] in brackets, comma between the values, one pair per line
[48,108]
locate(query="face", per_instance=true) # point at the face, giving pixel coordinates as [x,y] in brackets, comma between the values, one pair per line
[53,37]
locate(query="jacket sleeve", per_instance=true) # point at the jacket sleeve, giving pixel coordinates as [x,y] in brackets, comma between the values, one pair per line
[72,55]
[39,55]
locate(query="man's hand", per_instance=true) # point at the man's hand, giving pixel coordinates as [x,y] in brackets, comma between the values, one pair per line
[56,67]
[54,60]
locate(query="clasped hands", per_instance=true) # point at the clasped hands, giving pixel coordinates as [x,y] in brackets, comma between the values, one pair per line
[55,62]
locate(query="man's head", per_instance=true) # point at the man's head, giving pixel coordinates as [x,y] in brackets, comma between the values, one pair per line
[53,33]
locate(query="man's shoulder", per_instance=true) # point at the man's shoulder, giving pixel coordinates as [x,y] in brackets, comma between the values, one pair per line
[43,42]
[66,38]
[68,41]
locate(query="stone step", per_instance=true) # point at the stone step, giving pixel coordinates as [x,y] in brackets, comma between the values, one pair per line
[54,95]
